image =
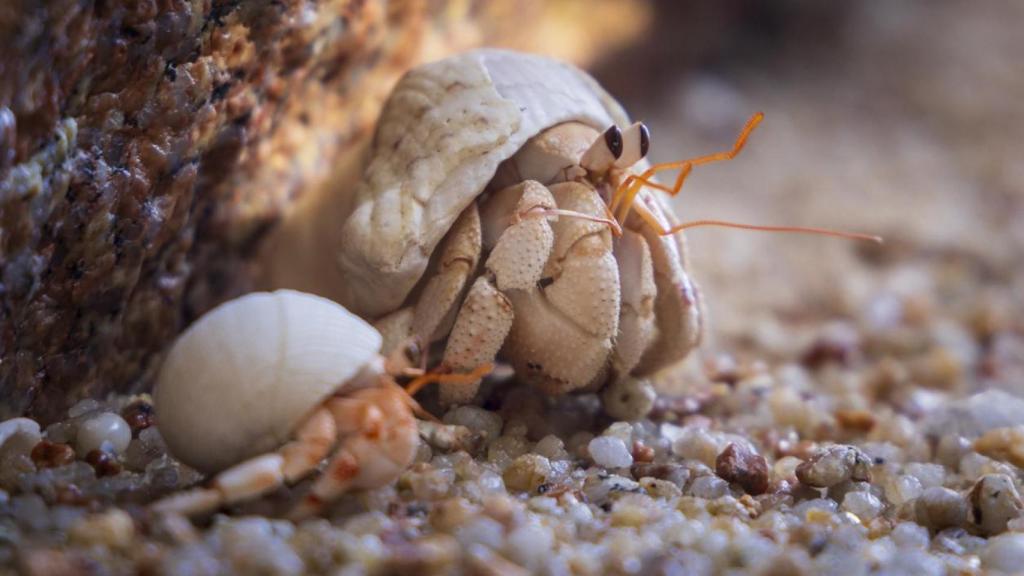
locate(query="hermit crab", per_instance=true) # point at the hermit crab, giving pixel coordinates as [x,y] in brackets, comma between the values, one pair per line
[262,388]
[506,210]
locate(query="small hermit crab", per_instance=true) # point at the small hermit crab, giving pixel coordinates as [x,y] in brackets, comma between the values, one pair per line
[504,212]
[262,388]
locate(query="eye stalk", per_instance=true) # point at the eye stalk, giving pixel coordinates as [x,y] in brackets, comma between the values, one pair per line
[635,141]
[616,148]
[604,152]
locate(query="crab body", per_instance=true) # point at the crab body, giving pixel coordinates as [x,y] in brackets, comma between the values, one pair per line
[262,388]
[480,223]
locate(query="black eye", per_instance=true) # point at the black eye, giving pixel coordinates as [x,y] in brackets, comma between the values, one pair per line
[645,140]
[613,139]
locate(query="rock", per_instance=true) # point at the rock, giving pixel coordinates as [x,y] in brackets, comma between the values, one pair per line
[939,508]
[833,465]
[610,452]
[977,415]
[740,465]
[146,150]
[1005,444]
[994,502]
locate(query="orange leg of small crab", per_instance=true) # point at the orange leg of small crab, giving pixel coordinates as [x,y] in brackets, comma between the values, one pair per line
[625,194]
[260,474]
[653,222]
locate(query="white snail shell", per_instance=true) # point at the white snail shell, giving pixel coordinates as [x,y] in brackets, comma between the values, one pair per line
[239,380]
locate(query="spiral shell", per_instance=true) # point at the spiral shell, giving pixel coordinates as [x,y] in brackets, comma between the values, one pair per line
[241,378]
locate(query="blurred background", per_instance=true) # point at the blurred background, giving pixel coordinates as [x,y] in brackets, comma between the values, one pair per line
[898,118]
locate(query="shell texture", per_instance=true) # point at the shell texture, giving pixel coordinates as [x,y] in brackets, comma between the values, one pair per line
[242,377]
[443,132]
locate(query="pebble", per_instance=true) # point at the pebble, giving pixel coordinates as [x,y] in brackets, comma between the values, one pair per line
[994,502]
[1004,553]
[902,488]
[47,454]
[628,399]
[527,473]
[738,464]
[939,508]
[610,452]
[105,431]
[18,435]
[833,465]
[113,528]
[1005,444]
[709,487]
[551,447]
[864,505]
[484,422]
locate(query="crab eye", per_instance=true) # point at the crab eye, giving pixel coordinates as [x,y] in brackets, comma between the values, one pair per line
[635,141]
[613,140]
[604,151]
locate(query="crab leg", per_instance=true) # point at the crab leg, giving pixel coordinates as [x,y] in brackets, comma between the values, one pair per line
[637,324]
[563,333]
[262,474]
[521,246]
[376,443]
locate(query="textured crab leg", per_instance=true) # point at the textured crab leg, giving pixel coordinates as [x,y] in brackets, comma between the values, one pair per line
[443,292]
[637,328]
[377,442]
[431,317]
[562,336]
[262,474]
[677,305]
[516,262]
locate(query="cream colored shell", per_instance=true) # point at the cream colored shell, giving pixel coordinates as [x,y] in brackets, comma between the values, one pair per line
[443,132]
[240,379]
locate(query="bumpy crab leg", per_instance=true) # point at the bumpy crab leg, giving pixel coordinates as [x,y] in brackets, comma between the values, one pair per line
[565,325]
[516,262]
[431,317]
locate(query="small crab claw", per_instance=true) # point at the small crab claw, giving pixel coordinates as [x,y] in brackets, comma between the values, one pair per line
[378,440]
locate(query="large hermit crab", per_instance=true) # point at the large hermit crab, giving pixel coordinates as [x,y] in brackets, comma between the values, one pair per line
[503,211]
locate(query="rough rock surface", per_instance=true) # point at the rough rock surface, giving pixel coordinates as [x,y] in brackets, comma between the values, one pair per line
[144,147]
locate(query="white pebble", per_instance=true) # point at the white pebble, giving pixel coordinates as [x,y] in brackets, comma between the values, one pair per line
[529,544]
[1004,553]
[902,489]
[21,433]
[610,452]
[100,429]
[930,475]
[476,419]
[910,535]
[552,448]
[864,505]
[709,487]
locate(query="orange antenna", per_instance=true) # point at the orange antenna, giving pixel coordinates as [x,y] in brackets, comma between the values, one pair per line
[625,194]
[442,377]
[653,222]
[759,228]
